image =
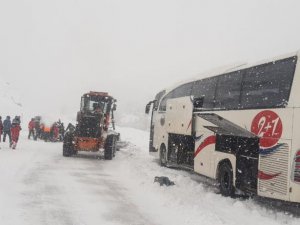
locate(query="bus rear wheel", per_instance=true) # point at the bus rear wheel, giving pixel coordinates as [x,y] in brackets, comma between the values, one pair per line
[225,180]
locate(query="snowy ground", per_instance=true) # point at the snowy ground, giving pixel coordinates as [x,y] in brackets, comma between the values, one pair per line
[39,186]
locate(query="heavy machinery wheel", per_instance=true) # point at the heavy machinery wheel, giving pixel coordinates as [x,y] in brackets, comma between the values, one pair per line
[67,151]
[68,148]
[110,147]
[163,156]
[225,179]
[118,138]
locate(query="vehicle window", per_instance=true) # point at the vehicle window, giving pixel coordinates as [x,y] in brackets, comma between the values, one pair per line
[157,98]
[228,91]
[183,90]
[163,104]
[104,107]
[82,104]
[205,88]
[93,105]
[268,85]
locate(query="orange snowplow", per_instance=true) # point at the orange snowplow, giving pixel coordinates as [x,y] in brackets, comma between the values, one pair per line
[92,131]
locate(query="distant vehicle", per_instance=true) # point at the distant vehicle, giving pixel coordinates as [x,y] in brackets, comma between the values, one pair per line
[238,126]
[92,131]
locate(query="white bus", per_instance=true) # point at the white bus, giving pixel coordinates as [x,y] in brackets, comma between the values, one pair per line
[239,127]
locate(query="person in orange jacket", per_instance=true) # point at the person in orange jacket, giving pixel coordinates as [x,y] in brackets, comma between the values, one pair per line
[15,133]
[46,133]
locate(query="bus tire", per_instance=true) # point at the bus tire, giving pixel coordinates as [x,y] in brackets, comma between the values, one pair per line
[163,156]
[225,180]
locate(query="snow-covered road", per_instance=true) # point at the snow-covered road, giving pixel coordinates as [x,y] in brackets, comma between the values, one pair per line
[39,186]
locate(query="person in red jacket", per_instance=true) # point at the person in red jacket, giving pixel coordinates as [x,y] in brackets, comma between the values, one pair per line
[31,127]
[55,132]
[15,133]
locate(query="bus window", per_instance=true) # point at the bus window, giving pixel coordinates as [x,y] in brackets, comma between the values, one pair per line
[183,90]
[157,99]
[228,91]
[268,85]
[163,104]
[205,89]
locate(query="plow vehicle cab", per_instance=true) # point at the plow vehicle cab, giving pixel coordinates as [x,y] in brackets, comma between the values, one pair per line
[92,131]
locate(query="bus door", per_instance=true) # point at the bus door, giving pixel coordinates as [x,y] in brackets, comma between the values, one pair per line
[181,144]
[153,111]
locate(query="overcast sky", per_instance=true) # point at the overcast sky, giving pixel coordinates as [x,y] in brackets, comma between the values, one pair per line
[53,51]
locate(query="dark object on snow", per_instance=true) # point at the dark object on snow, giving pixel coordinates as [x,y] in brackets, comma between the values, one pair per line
[164,181]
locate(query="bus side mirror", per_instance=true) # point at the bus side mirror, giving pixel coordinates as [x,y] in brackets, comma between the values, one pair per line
[114,107]
[147,110]
[198,102]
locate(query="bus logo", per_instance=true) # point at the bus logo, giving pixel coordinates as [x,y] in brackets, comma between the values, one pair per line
[268,126]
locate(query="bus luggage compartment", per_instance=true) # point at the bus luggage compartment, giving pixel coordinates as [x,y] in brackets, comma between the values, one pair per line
[236,140]
[246,150]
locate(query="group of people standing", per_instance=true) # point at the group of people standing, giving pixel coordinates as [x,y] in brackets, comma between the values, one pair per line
[11,129]
[44,132]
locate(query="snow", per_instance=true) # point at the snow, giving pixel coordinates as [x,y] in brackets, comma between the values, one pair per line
[191,200]
[10,100]
[40,186]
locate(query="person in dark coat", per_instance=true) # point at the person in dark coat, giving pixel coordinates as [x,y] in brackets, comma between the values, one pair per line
[37,129]
[61,132]
[6,129]
[1,127]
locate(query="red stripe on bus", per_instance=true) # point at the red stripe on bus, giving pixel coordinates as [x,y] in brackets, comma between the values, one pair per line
[208,141]
[189,125]
[265,176]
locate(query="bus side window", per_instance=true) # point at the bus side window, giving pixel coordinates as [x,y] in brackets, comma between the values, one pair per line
[157,100]
[229,90]
[183,90]
[163,104]
[268,85]
[205,89]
